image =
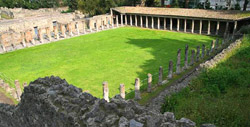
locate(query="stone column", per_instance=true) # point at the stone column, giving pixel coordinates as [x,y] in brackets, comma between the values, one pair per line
[192,57]
[131,20]
[141,21]
[23,39]
[185,25]
[217,27]
[212,46]
[77,29]
[40,35]
[208,27]
[178,24]
[200,26]
[178,63]
[149,83]
[122,91]
[186,57]
[126,20]
[70,29]
[111,21]
[48,33]
[192,31]
[136,20]
[117,21]
[105,91]
[63,30]
[227,25]
[203,51]
[121,19]
[3,47]
[198,54]
[171,24]
[97,26]
[18,90]
[56,33]
[83,25]
[159,23]
[137,89]
[146,21]
[170,70]
[152,23]
[160,75]
[165,26]
[235,27]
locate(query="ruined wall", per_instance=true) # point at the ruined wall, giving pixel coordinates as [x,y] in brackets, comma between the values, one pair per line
[52,102]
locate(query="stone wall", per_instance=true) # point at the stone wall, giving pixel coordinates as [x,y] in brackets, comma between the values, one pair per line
[52,102]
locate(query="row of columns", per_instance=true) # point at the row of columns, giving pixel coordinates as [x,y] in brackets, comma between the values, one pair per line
[178,24]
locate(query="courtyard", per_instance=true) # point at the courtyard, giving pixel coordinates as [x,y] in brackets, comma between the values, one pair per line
[116,56]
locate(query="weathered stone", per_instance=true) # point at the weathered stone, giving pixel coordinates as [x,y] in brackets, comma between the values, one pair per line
[169,116]
[160,75]
[149,83]
[186,58]
[137,89]
[198,54]
[133,123]
[170,70]
[192,57]
[184,122]
[123,122]
[122,90]
[105,91]
[178,63]
[167,124]
[208,125]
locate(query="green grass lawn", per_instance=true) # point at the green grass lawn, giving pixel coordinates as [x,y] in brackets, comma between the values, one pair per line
[117,56]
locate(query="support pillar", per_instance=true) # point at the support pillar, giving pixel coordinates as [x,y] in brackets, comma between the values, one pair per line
[208,27]
[111,21]
[146,21]
[235,27]
[137,89]
[200,26]
[62,27]
[217,27]
[83,25]
[152,23]
[126,20]
[160,75]
[23,39]
[105,91]
[117,21]
[149,83]
[192,31]
[178,63]
[121,19]
[171,24]
[40,34]
[131,20]
[186,58]
[165,25]
[48,33]
[185,25]
[159,23]
[56,33]
[136,20]
[178,24]
[141,21]
[77,29]
[227,25]
[122,91]
[170,70]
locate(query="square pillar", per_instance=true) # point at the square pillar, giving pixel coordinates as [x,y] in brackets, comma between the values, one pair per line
[217,27]
[131,20]
[48,33]
[40,35]
[126,20]
[83,25]
[146,21]
[208,27]
[192,31]
[77,29]
[121,19]
[141,21]
[235,27]
[171,24]
[117,21]
[200,26]
[159,23]
[165,25]
[136,20]
[152,23]
[185,25]
[178,24]
[227,25]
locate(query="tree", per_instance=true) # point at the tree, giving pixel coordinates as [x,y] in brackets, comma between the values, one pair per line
[245,5]
[73,4]
[186,3]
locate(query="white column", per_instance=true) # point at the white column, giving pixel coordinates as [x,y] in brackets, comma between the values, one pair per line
[152,23]
[208,27]
[217,27]
[131,20]
[178,24]
[235,27]
[97,27]
[77,29]
[200,26]
[159,23]
[171,24]
[227,25]
[185,25]
[141,21]
[146,21]
[135,20]
[117,22]
[121,19]
[165,24]
[126,20]
[192,26]
[112,21]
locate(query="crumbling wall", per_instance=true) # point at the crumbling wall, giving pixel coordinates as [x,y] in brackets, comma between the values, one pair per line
[52,102]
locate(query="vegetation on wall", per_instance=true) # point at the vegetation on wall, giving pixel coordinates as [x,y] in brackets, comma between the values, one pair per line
[220,95]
